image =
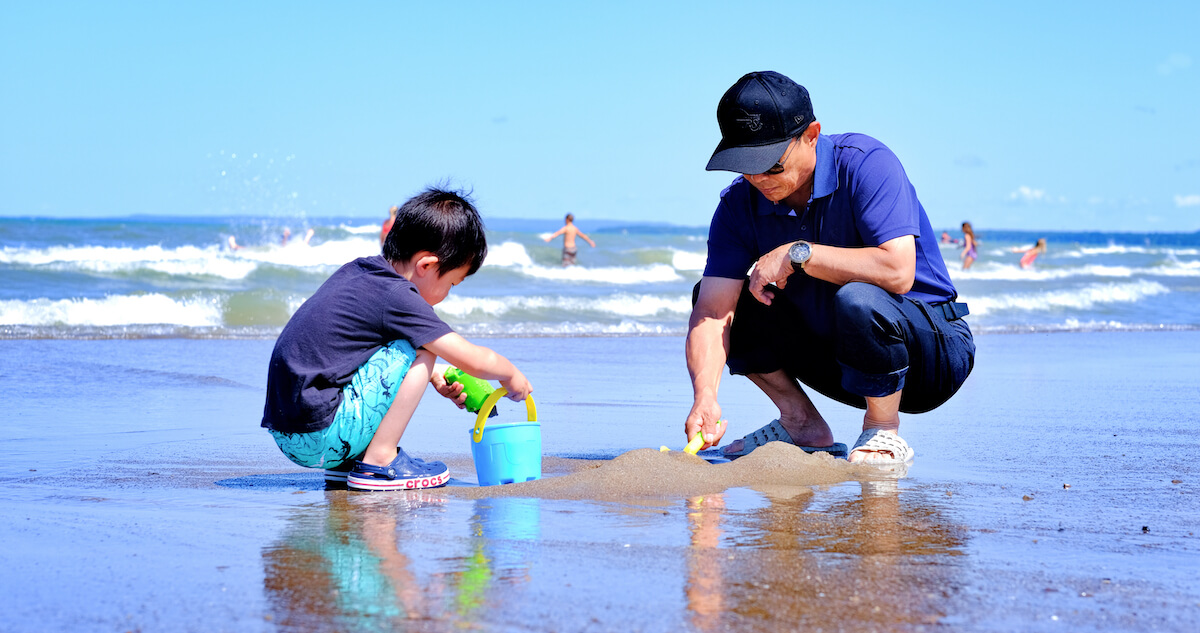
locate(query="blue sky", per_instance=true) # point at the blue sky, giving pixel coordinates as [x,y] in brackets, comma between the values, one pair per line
[1015,115]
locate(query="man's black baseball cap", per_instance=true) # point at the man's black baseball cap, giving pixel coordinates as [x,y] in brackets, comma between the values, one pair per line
[758,116]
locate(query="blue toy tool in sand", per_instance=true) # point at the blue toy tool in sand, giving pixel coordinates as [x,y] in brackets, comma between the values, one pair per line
[506,453]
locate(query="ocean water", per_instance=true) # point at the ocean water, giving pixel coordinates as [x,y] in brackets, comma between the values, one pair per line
[149,277]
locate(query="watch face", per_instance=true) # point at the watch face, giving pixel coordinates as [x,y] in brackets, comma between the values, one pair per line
[800,252]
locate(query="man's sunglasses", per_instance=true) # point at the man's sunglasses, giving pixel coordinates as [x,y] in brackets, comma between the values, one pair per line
[778,168]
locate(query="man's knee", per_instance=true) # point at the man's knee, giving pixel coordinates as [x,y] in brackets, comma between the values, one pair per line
[858,302]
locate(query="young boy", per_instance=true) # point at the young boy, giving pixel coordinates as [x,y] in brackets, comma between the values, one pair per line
[351,365]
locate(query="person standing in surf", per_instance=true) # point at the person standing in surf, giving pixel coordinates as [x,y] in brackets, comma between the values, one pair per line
[969,252]
[569,232]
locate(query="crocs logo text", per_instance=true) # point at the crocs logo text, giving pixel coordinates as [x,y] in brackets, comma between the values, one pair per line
[426,482]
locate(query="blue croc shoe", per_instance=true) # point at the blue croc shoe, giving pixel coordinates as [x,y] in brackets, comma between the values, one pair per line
[404,473]
[337,476]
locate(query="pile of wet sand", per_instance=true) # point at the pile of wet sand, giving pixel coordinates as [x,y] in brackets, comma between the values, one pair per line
[648,473]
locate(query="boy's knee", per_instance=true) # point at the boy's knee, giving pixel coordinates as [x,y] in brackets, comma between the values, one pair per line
[424,357]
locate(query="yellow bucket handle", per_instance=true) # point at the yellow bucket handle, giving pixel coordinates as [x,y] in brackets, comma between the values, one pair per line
[492,399]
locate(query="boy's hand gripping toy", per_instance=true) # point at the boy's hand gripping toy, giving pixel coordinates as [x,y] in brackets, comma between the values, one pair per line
[477,389]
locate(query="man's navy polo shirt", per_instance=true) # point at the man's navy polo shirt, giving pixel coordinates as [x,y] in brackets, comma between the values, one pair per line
[861,197]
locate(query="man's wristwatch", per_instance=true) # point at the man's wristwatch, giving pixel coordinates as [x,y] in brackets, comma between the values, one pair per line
[800,253]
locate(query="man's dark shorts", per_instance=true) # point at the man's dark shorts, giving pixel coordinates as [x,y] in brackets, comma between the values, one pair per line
[881,343]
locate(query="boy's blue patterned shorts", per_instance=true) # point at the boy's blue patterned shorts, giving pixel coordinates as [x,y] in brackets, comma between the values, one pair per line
[364,402]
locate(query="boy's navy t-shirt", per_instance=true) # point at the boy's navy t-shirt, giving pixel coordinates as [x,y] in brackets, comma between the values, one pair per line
[359,309]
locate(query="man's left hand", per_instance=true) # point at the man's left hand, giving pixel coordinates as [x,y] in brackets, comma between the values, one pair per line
[774,268]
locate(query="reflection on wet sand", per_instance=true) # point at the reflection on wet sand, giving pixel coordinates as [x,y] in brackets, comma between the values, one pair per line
[875,561]
[494,525]
[338,565]
[353,564]
[705,590]
[870,555]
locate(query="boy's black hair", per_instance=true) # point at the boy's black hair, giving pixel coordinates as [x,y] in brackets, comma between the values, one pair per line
[442,222]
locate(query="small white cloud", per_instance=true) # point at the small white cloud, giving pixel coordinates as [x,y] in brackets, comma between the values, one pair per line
[1027,194]
[1174,62]
[1192,200]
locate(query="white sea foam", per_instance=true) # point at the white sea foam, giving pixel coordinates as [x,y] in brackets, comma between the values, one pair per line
[620,304]
[367,229]
[687,260]
[1011,272]
[1115,249]
[297,254]
[508,254]
[1074,298]
[185,260]
[513,255]
[211,261]
[223,267]
[1111,249]
[101,257]
[573,328]
[538,313]
[1176,268]
[991,271]
[114,310]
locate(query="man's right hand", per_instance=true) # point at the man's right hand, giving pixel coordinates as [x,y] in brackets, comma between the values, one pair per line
[703,419]
[706,350]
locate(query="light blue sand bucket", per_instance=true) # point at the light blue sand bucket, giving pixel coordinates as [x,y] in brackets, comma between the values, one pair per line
[506,453]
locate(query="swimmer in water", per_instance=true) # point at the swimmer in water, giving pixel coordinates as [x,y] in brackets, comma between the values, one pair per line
[1031,254]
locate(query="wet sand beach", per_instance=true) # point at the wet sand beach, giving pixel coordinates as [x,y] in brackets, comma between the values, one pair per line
[1058,491]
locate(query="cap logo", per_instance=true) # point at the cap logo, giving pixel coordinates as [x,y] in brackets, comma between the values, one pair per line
[799,119]
[752,121]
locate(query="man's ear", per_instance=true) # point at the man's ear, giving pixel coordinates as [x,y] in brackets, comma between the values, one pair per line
[813,131]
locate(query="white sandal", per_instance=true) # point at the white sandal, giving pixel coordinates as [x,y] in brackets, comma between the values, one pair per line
[878,441]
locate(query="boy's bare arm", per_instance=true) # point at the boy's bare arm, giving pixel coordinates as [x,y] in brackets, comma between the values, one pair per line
[480,362]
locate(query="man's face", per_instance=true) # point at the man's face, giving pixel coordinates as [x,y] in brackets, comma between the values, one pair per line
[799,160]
